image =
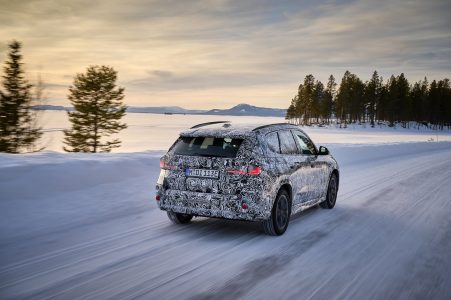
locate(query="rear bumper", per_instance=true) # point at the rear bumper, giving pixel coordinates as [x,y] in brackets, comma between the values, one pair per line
[215,205]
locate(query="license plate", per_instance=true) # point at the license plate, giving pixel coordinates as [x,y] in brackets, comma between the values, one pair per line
[204,173]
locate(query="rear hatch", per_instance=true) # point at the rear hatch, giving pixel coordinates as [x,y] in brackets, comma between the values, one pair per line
[208,165]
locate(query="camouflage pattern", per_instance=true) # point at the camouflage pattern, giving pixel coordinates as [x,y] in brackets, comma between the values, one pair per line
[306,177]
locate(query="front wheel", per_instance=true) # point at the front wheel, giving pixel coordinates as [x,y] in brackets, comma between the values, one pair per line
[178,218]
[331,196]
[280,215]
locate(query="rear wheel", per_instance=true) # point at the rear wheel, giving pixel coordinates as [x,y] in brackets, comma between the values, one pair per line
[178,218]
[280,215]
[331,196]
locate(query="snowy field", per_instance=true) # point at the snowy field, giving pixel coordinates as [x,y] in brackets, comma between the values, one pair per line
[157,132]
[87,226]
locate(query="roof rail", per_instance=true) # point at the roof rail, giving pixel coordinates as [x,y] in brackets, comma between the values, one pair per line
[208,123]
[264,126]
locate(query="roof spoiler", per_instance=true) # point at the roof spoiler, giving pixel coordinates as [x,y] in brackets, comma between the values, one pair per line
[264,126]
[208,123]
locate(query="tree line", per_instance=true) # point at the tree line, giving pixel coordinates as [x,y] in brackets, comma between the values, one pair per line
[98,105]
[97,101]
[394,101]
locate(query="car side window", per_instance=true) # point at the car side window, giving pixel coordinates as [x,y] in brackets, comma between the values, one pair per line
[273,142]
[287,143]
[305,144]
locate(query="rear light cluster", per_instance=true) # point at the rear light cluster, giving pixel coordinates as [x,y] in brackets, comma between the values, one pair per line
[165,166]
[250,170]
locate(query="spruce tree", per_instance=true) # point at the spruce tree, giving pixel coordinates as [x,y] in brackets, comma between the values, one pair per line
[98,109]
[18,129]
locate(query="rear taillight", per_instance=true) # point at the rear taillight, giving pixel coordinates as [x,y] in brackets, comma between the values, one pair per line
[254,170]
[250,170]
[237,172]
[165,166]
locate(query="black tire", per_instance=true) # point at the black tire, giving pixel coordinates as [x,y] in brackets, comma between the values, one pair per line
[280,215]
[332,190]
[178,218]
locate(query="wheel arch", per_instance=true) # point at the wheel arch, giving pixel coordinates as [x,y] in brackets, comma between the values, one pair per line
[287,187]
[337,173]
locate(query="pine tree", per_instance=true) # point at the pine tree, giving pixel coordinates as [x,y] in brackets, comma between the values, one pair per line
[350,100]
[318,100]
[418,96]
[424,106]
[373,92]
[396,101]
[404,108]
[18,129]
[434,103]
[306,98]
[446,102]
[329,97]
[291,111]
[382,109]
[98,109]
[392,100]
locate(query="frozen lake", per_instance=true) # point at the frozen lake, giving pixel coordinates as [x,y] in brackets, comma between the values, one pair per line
[158,132]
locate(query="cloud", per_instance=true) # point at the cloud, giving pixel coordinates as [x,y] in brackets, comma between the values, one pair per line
[160,73]
[228,51]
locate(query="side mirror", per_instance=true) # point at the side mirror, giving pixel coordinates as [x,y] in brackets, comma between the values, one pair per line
[323,151]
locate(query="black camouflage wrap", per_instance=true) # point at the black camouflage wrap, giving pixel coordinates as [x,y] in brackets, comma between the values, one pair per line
[305,176]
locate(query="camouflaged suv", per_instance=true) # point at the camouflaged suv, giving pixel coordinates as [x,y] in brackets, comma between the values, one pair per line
[265,173]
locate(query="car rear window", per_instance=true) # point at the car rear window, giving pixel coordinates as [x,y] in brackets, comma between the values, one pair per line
[208,146]
[273,142]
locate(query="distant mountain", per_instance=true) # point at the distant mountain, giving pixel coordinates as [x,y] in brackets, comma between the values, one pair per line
[238,110]
[52,107]
[248,110]
[164,109]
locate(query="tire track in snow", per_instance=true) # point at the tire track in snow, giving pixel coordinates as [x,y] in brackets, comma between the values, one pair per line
[81,280]
[125,263]
[383,197]
[85,246]
[266,267]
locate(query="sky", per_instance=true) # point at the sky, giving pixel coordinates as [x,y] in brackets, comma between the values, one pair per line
[219,53]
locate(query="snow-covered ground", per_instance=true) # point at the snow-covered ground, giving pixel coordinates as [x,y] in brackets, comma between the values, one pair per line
[156,131]
[87,226]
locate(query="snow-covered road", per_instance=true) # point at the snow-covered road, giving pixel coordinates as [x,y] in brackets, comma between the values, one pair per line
[86,226]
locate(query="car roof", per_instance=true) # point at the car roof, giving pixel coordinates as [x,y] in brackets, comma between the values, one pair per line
[229,129]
